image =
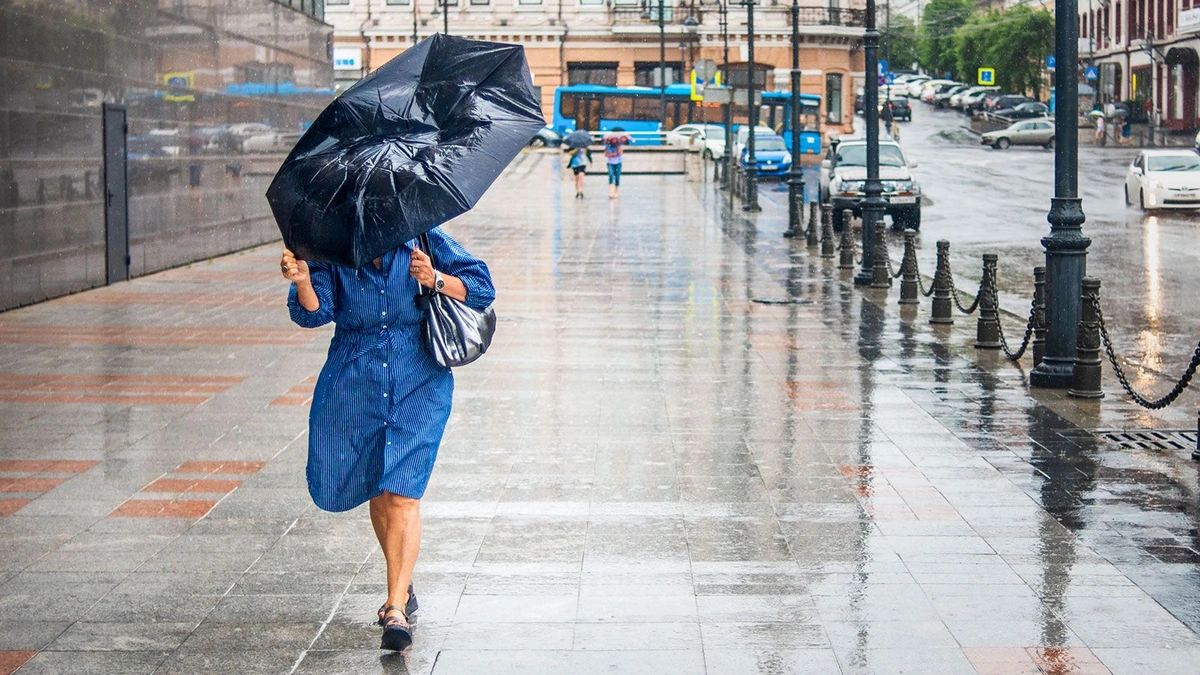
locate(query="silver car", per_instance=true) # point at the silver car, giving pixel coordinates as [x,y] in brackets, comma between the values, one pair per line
[1026,132]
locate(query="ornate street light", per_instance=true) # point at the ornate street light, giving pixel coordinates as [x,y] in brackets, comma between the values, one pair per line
[750,202]
[795,176]
[873,203]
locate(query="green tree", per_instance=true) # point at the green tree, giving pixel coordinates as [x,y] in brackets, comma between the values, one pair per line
[1014,42]
[939,21]
[900,42]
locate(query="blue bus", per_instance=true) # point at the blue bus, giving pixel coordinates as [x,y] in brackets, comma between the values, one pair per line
[595,107]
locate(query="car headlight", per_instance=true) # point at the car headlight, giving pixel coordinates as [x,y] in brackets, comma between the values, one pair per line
[1155,185]
[851,186]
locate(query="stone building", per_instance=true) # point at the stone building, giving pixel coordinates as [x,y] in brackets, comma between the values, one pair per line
[618,42]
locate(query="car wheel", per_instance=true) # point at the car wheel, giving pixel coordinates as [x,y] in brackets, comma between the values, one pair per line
[537,142]
[708,155]
[1142,199]
[1050,143]
[1002,144]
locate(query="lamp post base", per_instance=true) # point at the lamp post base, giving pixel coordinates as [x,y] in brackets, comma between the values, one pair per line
[1053,373]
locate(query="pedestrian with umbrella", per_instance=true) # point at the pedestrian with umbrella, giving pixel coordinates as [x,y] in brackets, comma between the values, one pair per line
[407,148]
[577,143]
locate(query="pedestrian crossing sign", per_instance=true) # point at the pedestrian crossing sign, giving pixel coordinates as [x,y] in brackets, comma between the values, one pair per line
[987,76]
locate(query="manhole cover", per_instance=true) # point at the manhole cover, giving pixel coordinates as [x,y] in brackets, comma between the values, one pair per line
[1152,439]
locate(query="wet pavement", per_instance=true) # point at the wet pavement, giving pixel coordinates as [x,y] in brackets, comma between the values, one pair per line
[652,472]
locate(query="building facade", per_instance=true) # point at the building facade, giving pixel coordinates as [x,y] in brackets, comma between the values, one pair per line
[618,42]
[137,135]
[1145,52]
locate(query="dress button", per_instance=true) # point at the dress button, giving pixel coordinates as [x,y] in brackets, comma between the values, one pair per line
[385,395]
[383,313]
[385,365]
[385,325]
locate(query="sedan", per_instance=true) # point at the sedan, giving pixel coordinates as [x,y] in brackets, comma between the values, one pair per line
[1025,132]
[1024,111]
[1164,179]
[770,154]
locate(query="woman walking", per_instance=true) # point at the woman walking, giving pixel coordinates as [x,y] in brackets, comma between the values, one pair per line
[580,158]
[614,150]
[381,401]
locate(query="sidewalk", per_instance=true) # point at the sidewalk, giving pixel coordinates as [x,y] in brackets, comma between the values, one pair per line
[650,473]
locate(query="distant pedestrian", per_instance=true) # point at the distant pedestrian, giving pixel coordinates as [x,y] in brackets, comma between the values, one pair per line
[1126,131]
[381,402]
[578,162]
[614,150]
[1100,125]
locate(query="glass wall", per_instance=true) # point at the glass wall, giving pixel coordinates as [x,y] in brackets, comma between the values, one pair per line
[214,93]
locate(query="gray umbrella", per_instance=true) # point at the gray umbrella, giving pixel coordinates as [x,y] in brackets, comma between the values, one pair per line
[577,139]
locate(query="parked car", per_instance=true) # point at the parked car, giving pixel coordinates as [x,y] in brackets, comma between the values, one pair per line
[770,155]
[1004,101]
[942,98]
[1025,132]
[929,93]
[546,137]
[1024,111]
[1164,179]
[844,172]
[901,108]
[740,134]
[710,136]
[970,102]
[274,141]
[918,90]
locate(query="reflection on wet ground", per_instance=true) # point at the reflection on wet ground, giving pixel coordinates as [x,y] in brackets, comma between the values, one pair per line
[651,473]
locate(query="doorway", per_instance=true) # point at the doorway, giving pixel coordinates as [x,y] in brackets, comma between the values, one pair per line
[116,194]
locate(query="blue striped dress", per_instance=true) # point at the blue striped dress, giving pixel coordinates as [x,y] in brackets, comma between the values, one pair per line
[381,401]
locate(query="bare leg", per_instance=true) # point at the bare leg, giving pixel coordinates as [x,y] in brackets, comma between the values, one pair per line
[402,542]
[378,507]
[579,183]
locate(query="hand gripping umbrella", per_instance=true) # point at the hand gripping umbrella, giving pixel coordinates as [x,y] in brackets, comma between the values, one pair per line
[405,149]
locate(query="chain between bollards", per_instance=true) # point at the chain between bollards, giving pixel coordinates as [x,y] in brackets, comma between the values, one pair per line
[827,233]
[880,276]
[1037,311]
[846,262]
[910,283]
[1093,301]
[813,216]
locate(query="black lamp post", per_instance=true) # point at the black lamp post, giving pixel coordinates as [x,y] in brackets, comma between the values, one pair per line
[795,176]
[662,64]
[727,109]
[750,202]
[873,203]
[445,17]
[1066,246]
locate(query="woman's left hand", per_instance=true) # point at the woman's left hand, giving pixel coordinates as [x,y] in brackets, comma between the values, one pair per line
[421,268]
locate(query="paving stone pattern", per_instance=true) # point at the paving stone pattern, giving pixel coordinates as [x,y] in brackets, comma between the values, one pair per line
[651,473]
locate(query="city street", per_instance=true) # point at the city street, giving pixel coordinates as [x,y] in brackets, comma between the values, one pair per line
[694,448]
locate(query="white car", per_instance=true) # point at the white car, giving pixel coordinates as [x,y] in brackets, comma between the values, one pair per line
[1164,179]
[709,136]
[913,85]
[927,89]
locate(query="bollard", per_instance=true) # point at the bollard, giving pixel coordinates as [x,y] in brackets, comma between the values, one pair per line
[987,327]
[941,286]
[813,214]
[846,262]
[1085,376]
[1196,452]
[1039,315]
[827,233]
[881,277]
[909,288]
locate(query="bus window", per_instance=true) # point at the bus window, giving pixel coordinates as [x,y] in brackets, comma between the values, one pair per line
[618,107]
[647,109]
[567,104]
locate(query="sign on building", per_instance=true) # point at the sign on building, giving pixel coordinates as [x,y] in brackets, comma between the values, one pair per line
[347,58]
[1189,21]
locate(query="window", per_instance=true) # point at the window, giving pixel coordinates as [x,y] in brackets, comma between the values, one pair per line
[337,2]
[591,2]
[479,2]
[397,2]
[618,107]
[567,104]
[586,72]
[833,98]
[530,2]
[645,73]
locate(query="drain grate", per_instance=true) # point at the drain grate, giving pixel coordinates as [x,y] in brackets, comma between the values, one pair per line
[1162,440]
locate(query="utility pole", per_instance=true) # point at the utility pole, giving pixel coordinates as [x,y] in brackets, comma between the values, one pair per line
[795,175]
[873,203]
[750,203]
[1066,247]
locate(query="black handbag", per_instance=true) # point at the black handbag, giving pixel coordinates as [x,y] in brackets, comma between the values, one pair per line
[454,333]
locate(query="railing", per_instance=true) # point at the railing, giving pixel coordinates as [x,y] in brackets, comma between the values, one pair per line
[831,16]
[646,12]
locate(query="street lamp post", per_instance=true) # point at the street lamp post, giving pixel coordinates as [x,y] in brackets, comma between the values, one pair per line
[1066,246]
[726,109]
[750,202]
[873,204]
[662,64]
[795,176]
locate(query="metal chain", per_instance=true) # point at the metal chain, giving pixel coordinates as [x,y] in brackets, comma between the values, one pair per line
[921,286]
[1138,398]
[1015,356]
[892,270]
[958,303]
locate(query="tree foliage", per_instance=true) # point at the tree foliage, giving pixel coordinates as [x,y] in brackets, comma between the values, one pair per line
[900,42]
[939,21]
[1014,42]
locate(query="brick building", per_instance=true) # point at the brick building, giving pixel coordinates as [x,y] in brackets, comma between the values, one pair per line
[617,41]
[1145,51]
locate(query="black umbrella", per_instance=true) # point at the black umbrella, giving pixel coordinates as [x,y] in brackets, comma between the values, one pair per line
[405,149]
[577,139]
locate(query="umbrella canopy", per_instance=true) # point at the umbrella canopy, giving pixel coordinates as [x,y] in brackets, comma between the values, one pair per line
[405,149]
[578,139]
[1096,113]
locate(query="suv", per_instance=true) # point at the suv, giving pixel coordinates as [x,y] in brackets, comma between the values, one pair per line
[844,171]
[901,109]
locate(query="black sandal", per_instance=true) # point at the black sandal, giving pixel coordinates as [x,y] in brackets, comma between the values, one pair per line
[397,635]
[410,607]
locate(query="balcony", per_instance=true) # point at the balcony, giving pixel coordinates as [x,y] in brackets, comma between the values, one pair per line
[646,12]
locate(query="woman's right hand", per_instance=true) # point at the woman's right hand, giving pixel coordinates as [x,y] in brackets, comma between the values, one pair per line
[295,271]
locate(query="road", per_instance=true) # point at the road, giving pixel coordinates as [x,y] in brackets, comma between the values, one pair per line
[985,200]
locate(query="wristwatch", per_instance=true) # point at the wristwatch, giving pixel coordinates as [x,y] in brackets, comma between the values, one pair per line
[438,282]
